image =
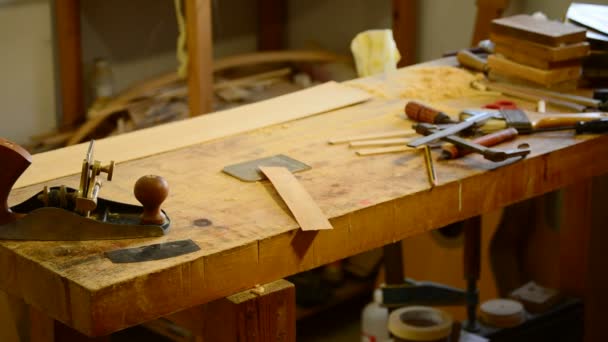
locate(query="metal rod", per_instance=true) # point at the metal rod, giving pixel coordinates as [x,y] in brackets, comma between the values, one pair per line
[472,268]
[430,168]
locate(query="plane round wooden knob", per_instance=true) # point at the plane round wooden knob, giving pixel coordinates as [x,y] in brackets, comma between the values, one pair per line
[14,160]
[151,191]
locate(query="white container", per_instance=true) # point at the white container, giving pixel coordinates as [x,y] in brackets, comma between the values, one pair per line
[374,320]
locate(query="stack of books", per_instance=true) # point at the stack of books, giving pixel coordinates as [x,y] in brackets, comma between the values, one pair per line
[543,52]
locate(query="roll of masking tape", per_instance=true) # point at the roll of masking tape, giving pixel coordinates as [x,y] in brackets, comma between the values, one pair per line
[420,323]
[502,313]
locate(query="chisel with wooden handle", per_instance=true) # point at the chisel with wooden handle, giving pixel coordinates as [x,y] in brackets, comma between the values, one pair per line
[518,119]
[421,113]
[451,151]
[580,127]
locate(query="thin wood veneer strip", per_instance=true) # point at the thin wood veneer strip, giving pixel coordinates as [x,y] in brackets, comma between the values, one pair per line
[380,142]
[303,207]
[175,135]
[382,150]
[372,136]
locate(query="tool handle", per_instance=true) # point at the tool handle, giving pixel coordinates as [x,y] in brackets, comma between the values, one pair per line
[564,120]
[451,151]
[151,191]
[594,126]
[421,113]
[472,61]
[14,160]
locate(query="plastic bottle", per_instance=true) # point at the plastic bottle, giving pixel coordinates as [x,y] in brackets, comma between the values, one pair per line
[102,83]
[374,320]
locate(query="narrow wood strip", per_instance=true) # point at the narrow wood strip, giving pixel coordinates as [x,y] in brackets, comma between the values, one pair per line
[372,136]
[247,80]
[380,142]
[382,150]
[544,77]
[266,57]
[155,140]
[302,205]
[581,100]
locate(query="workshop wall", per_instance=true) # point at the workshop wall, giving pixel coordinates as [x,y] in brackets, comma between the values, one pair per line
[27,92]
[138,37]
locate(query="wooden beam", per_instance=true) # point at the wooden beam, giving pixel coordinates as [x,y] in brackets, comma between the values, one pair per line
[405,31]
[596,297]
[69,60]
[200,56]
[265,313]
[487,10]
[272,19]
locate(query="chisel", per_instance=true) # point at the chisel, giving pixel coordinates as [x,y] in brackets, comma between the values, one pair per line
[421,113]
[593,126]
[452,129]
[518,119]
[451,151]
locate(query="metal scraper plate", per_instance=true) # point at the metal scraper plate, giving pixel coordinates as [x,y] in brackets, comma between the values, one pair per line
[249,171]
[156,251]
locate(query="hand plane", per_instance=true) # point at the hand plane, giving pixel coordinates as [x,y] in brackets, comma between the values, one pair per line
[62,213]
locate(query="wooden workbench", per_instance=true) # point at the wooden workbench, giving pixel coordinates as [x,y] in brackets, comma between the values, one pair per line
[252,239]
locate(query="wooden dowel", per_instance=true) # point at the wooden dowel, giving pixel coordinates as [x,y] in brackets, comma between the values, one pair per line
[380,142]
[372,136]
[382,150]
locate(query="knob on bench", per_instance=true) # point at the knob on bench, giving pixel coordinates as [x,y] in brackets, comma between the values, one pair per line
[151,191]
[14,160]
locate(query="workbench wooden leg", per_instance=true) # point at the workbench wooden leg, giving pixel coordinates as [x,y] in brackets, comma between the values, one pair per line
[13,318]
[596,298]
[200,56]
[43,328]
[393,264]
[267,313]
[574,236]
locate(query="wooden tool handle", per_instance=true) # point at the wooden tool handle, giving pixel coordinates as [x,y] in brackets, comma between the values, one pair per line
[14,160]
[151,191]
[472,61]
[452,151]
[563,120]
[421,113]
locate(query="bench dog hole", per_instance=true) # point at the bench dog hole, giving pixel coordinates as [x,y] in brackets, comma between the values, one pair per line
[202,222]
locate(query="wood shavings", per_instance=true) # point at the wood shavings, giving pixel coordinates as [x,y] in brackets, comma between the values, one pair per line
[431,83]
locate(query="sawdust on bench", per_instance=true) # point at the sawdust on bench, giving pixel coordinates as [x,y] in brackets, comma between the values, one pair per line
[428,84]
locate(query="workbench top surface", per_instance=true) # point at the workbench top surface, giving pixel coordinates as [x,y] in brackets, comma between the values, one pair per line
[247,235]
